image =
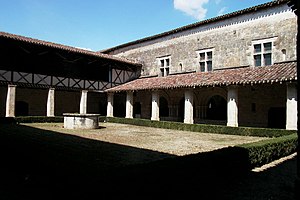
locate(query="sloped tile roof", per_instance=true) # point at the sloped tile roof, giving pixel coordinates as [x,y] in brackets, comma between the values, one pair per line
[65,47]
[280,72]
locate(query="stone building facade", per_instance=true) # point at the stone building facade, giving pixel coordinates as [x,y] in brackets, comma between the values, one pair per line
[237,51]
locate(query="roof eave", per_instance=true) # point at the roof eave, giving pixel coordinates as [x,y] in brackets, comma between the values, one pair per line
[190,26]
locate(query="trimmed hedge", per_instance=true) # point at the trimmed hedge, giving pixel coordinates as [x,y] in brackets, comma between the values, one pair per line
[204,128]
[38,119]
[266,151]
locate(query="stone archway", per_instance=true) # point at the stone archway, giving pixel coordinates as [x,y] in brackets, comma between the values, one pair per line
[217,108]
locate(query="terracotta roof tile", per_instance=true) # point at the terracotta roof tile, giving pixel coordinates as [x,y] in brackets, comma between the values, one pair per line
[280,72]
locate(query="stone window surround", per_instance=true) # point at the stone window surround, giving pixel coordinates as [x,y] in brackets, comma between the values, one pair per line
[262,52]
[205,60]
[164,64]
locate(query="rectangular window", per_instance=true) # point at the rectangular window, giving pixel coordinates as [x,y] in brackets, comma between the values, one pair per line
[257,48]
[164,65]
[202,56]
[262,52]
[209,65]
[202,66]
[167,62]
[162,72]
[257,60]
[268,59]
[267,46]
[209,55]
[205,60]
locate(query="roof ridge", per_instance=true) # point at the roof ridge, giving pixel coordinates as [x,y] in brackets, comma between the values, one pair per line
[192,25]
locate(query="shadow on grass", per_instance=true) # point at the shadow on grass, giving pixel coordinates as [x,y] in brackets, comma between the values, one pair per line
[40,164]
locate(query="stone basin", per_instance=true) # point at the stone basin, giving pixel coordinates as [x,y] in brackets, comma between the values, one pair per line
[81,121]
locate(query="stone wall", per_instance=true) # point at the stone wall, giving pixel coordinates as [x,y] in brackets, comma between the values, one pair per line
[230,40]
[35,98]
[265,98]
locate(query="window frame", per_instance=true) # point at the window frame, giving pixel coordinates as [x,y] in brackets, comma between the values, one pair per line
[263,52]
[204,60]
[164,64]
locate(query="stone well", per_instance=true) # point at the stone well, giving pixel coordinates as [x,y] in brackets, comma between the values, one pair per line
[81,121]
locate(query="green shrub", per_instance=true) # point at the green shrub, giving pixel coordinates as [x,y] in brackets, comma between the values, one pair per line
[266,151]
[38,119]
[204,128]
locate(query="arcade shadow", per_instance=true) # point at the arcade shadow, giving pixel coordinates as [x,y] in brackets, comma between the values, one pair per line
[40,164]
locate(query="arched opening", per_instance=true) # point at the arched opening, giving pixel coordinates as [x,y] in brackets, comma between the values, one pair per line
[217,108]
[137,109]
[22,108]
[163,107]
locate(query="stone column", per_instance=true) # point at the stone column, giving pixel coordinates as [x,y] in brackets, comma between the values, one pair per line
[50,103]
[83,102]
[10,101]
[188,107]
[232,107]
[129,105]
[110,105]
[155,106]
[291,107]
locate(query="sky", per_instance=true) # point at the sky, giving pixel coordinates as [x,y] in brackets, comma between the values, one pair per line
[100,24]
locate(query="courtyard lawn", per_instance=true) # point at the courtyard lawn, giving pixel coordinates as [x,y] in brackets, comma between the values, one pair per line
[162,140]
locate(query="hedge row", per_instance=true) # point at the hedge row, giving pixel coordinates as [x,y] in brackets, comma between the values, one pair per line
[38,119]
[266,151]
[204,128]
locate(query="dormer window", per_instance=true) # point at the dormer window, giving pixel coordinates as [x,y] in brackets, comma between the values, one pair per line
[164,65]
[205,60]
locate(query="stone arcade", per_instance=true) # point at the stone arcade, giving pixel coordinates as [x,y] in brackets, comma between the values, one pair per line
[237,69]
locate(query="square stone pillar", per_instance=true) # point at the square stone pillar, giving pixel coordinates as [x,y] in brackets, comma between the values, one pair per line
[188,107]
[232,107]
[155,106]
[50,103]
[83,102]
[110,105]
[10,101]
[291,107]
[129,105]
